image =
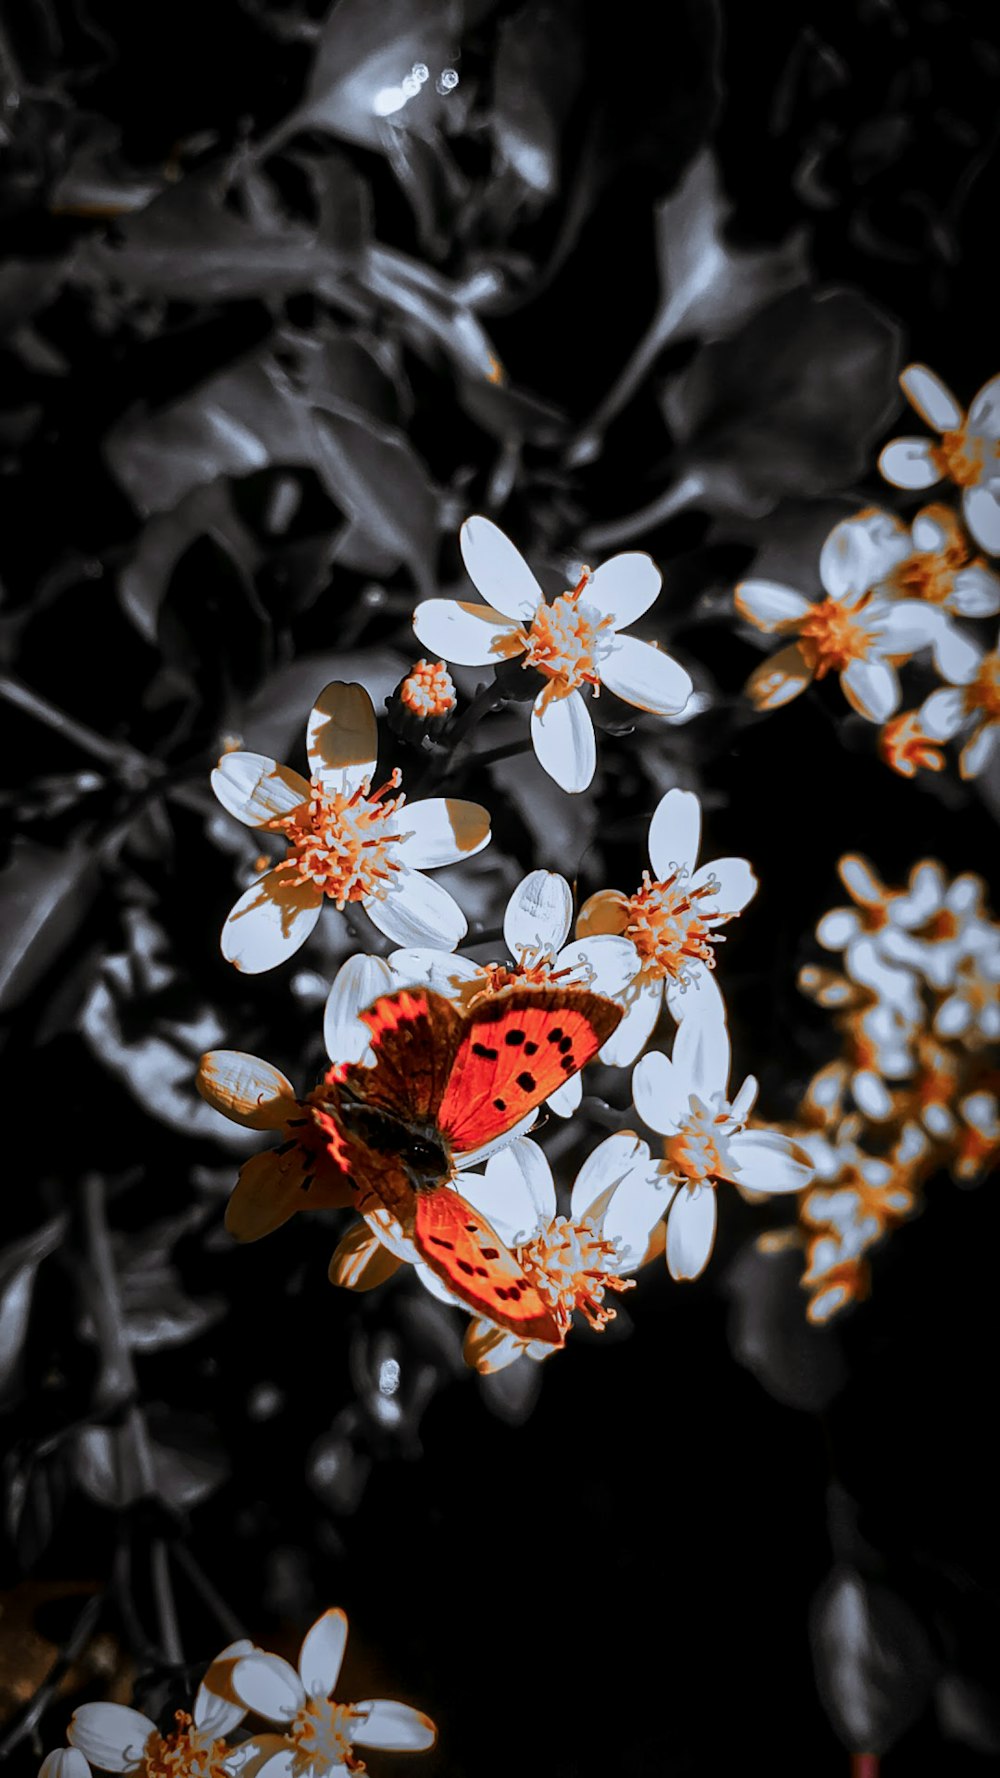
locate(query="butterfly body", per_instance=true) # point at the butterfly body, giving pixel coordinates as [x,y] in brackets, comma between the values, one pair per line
[444,1085]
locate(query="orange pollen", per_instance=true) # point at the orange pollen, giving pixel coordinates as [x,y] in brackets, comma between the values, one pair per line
[428,690]
[571,1266]
[185,1753]
[666,924]
[984,692]
[943,927]
[962,456]
[694,1152]
[904,746]
[343,844]
[830,638]
[566,639]
[321,1737]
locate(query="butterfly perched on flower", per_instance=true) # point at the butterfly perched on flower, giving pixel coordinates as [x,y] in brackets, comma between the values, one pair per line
[444,1090]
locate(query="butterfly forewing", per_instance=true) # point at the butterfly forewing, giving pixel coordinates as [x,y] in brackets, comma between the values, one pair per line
[415,1034]
[462,1249]
[516,1048]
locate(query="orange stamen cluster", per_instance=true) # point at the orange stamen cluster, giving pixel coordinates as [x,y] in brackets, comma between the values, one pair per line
[571,1266]
[667,927]
[904,746]
[984,692]
[185,1753]
[961,456]
[342,844]
[831,637]
[565,639]
[428,690]
[320,1735]
[930,574]
[694,1153]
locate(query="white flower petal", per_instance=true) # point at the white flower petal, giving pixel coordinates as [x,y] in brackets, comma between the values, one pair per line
[932,398]
[770,1162]
[392,1726]
[633,1213]
[216,1711]
[984,414]
[444,971]
[64,1762]
[942,714]
[538,913]
[871,688]
[255,788]
[778,680]
[837,928]
[769,605]
[270,922]
[660,1093]
[111,1736]
[737,885]
[562,734]
[612,962]
[701,1056]
[981,511]
[268,1685]
[646,676]
[871,1095]
[605,1168]
[745,1100]
[956,655]
[342,737]
[675,833]
[415,910]
[642,1000]
[470,635]
[359,981]
[929,532]
[246,1089]
[624,587]
[691,1230]
[522,1167]
[698,995]
[442,830]
[976,591]
[977,753]
[909,463]
[436,1286]
[322,1653]
[861,551]
[907,625]
[498,570]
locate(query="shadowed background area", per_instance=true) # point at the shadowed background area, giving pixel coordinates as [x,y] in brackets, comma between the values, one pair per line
[286,293]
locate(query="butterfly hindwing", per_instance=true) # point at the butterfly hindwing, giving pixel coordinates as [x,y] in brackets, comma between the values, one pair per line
[466,1254]
[516,1048]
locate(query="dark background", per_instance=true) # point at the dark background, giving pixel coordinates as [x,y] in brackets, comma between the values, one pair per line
[617,1570]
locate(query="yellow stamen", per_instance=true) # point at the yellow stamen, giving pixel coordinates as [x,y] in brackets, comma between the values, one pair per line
[571,1266]
[831,637]
[961,456]
[321,1737]
[185,1753]
[565,640]
[668,927]
[428,690]
[343,844]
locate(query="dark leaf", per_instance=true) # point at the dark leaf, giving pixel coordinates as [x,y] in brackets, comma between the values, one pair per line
[536,79]
[205,512]
[874,1664]
[511,1393]
[274,721]
[34,1493]
[187,1463]
[45,896]
[969,1712]
[799,1364]
[19,1265]
[364,55]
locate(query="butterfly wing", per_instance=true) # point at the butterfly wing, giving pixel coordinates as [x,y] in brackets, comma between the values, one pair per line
[464,1252]
[515,1048]
[415,1034]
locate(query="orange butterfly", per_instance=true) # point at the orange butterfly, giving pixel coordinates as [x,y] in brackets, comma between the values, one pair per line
[444,1085]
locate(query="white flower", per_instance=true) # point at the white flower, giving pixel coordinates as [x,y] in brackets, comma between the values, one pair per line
[967,454]
[970,703]
[867,934]
[119,1739]
[940,567]
[346,843]
[319,1734]
[671,922]
[705,1137]
[64,1762]
[536,926]
[574,1261]
[855,631]
[573,642]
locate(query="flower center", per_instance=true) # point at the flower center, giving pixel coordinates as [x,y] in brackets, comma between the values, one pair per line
[961,456]
[984,692]
[565,640]
[668,927]
[571,1266]
[342,844]
[694,1152]
[321,1737]
[830,638]
[185,1754]
[428,690]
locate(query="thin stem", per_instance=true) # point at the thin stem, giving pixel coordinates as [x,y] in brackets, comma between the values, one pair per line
[80,1635]
[166,1610]
[221,1611]
[112,753]
[486,699]
[117,1377]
